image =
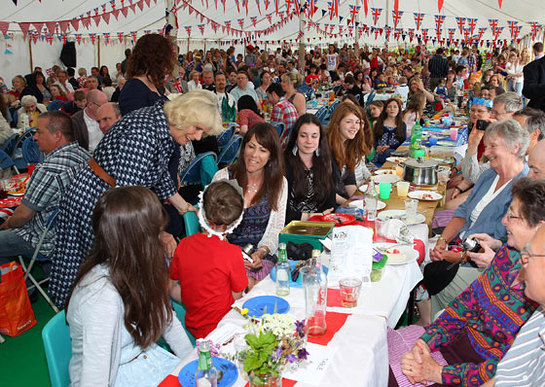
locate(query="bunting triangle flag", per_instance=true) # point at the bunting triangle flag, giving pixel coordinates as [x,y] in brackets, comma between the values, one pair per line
[115,12]
[38,26]
[140,5]
[106,17]
[24,26]
[125,11]
[63,25]
[4,26]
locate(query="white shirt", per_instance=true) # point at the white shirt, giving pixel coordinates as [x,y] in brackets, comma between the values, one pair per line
[66,87]
[191,85]
[95,134]
[221,96]
[490,195]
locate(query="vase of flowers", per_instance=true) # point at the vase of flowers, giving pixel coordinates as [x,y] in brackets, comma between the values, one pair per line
[274,342]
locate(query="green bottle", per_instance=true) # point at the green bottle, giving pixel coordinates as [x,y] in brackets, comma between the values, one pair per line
[206,375]
[415,149]
[282,272]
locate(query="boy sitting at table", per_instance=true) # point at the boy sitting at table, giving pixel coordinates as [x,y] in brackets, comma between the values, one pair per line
[209,269]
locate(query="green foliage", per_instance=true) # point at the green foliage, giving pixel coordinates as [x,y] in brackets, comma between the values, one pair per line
[258,358]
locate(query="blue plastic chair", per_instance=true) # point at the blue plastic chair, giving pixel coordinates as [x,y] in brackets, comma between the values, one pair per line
[230,153]
[280,127]
[307,91]
[191,222]
[336,89]
[321,113]
[9,145]
[6,162]
[31,152]
[200,170]
[58,349]
[370,97]
[54,105]
[179,309]
[17,154]
[224,138]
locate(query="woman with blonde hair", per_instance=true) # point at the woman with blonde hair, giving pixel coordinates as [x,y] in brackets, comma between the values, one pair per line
[290,82]
[349,143]
[414,111]
[135,151]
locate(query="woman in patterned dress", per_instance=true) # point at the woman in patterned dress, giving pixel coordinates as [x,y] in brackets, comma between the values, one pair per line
[135,151]
[308,170]
[260,172]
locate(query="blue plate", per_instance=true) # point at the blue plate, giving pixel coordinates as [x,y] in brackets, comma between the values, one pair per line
[256,306]
[186,377]
[299,282]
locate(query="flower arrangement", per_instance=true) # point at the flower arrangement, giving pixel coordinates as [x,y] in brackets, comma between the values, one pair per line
[273,343]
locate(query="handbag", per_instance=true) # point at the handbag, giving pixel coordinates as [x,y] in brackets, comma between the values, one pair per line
[16,314]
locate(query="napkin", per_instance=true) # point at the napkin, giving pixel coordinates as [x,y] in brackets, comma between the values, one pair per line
[334,322]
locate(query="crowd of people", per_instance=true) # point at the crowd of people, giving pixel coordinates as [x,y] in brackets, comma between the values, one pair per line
[115,146]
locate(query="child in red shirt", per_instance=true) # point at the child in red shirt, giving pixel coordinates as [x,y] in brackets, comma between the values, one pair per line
[210,269]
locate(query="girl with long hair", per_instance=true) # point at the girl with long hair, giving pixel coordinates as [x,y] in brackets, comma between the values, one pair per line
[414,111]
[349,142]
[389,130]
[119,305]
[308,170]
[248,113]
[290,82]
[259,170]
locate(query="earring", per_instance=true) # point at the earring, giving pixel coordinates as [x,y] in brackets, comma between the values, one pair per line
[295,149]
[317,152]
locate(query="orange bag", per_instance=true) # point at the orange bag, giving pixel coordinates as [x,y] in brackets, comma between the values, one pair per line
[16,314]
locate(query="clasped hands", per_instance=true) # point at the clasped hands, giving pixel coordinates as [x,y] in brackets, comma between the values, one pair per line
[419,366]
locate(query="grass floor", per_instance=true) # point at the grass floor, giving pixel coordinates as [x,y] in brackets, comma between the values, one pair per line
[22,358]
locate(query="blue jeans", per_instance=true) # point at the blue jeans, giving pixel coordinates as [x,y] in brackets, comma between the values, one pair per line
[12,245]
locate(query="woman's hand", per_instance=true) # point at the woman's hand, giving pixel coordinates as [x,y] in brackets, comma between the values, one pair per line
[431,370]
[257,256]
[437,253]
[473,141]
[485,239]
[169,243]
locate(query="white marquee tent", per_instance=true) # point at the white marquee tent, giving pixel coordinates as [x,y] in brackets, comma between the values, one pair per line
[32,32]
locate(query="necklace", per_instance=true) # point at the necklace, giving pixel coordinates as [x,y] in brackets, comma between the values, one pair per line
[253,188]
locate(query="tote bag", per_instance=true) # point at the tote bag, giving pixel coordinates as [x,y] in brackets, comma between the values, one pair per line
[16,314]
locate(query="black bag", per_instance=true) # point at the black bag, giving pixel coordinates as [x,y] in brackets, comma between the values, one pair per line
[68,54]
[437,275]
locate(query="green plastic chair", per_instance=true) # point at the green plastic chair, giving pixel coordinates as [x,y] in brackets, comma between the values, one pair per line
[191,222]
[58,349]
[179,309]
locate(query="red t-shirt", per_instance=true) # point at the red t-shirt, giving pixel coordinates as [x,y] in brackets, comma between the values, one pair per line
[311,77]
[208,270]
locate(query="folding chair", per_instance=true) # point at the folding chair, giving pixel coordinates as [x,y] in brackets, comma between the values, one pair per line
[179,309]
[191,222]
[230,153]
[9,145]
[280,127]
[224,138]
[370,97]
[40,258]
[6,163]
[321,113]
[17,154]
[200,170]
[31,152]
[58,349]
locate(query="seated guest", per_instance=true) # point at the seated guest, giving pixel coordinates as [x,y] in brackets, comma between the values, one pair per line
[64,157]
[414,111]
[223,94]
[30,108]
[244,87]
[92,83]
[78,104]
[389,130]
[283,110]
[62,82]
[107,87]
[208,287]
[107,115]
[348,143]
[290,82]
[308,170]
[349,86]
[208,80]
[466,342]
[375,108]
[523,364]
[57,93]
[259,170]
[86,127]
[71,79]
[114,320]
[39,88]
[265,81]
[248,113]
[506,143]
[5,128]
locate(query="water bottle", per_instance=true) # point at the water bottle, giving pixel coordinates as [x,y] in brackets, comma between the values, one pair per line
[282,272]
[206,374]
[315,285]
[415,149]
[370,200]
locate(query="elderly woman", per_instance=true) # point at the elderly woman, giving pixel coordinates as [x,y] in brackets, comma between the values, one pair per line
[506,143]
[31,109]
[308,166]
[135,151]
[260,172]
[465,343]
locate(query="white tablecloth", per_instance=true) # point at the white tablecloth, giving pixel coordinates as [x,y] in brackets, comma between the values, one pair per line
[359,349]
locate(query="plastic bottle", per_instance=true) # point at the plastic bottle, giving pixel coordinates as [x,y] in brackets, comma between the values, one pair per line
[282,272]
[206,374]
[415,149]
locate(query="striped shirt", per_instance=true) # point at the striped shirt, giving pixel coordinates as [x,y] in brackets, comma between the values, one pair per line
[524,363]
[45,189]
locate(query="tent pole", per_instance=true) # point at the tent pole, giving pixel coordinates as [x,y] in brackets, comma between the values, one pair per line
[302,43]
[30,54]
[98,51]
[188,44]
[170,18]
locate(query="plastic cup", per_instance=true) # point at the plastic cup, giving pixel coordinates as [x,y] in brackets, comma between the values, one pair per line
[370,208]
[454,134]
[30,168]
[380,230]
[332,96]
[350,291]
[384,190]
[443,174]
[411,207]
[403,188]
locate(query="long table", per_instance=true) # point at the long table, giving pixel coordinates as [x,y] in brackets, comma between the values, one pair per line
[357,353]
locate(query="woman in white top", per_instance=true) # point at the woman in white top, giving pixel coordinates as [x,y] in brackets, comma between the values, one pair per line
[515,76]
[119,305]
[259,170]
[194,81]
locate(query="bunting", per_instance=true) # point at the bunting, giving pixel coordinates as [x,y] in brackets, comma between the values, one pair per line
[354,9]
[376,14]
[396,16]
[418,18]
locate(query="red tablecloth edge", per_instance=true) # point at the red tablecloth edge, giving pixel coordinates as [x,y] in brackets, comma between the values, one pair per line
[172,381]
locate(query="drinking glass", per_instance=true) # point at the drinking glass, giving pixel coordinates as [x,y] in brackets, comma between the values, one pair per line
[403,188]
[350,291]
[411,206]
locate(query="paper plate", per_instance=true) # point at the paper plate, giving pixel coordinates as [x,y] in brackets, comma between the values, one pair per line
[256,306]
[410,254]
[359,204]
[186,377]
[386,179]
[446,143]
[10,202]
[396,160]
[385,172]
[428,196]
[400,214]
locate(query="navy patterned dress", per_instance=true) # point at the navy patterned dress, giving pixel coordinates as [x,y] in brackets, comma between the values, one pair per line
[135,151]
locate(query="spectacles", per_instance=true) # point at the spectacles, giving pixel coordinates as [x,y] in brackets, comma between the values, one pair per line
[510,216]
[525,255]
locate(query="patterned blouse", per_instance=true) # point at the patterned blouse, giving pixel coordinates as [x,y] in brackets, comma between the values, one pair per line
[491,311]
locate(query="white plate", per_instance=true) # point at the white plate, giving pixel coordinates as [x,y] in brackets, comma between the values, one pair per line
[410,253]
[400,214]
[359,204]
[385,172]
[446,143]
[396,160]
[421,195]
[386,179]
